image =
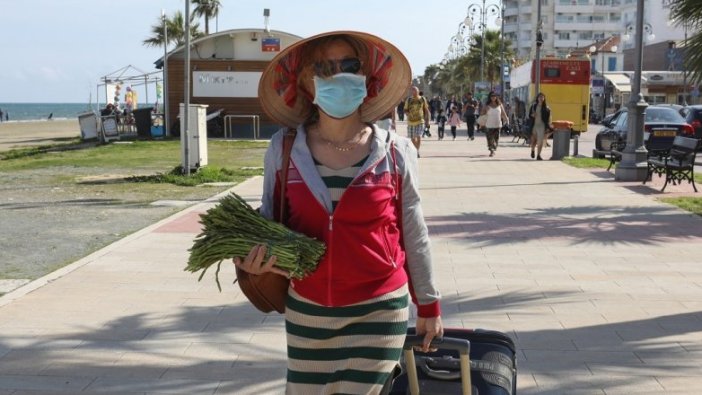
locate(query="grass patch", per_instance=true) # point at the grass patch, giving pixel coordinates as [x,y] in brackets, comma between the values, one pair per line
[203,175]
[71,143]
[587,163]
[687,203]
[138,172]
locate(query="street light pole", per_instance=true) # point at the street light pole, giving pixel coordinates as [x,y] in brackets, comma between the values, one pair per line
[165,73]
[633,166]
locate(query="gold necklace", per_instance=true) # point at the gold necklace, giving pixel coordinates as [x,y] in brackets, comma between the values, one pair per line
[358,137]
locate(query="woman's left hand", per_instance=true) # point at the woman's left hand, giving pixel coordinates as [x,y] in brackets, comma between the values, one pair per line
[430,328]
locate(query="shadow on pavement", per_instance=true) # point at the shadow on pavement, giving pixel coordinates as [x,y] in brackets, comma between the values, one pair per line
[585,224]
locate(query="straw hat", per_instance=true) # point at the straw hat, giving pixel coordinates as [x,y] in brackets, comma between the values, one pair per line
[387,80]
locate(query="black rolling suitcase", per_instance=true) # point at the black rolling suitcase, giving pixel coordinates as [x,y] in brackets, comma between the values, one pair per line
[491,356]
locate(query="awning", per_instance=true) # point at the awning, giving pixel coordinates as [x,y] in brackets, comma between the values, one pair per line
[621,82]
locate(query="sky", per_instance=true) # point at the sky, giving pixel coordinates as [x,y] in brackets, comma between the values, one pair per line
[56,51]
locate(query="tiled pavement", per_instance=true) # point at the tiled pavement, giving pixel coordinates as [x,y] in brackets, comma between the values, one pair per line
[600,285]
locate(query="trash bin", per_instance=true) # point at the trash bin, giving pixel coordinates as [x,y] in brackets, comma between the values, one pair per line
[142,119]
[561,139]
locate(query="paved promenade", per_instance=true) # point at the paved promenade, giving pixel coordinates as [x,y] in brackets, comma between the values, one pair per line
[599,284]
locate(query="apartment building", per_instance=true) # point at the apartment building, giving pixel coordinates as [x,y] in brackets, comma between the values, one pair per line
[571,24]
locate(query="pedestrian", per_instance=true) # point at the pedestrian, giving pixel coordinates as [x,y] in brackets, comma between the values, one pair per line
[1,115]
[401,111]
[434,106]
[417,111]
[469,109]
[454,121]
[451,103]
[540,119]
[7,116]
[495,117]
[354,187]
[50,117]
[441,122]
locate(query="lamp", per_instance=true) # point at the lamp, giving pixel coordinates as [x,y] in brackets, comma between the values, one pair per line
[481,11]
[647,28]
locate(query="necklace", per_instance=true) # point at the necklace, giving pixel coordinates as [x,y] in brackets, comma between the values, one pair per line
[358,137]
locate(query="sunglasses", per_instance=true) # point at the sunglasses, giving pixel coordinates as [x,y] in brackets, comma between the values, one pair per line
[327,68]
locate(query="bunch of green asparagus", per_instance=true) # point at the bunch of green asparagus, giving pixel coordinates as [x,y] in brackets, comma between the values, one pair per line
[232,228]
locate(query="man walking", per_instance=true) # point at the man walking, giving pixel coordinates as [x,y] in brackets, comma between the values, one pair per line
[417,111]
[469,109]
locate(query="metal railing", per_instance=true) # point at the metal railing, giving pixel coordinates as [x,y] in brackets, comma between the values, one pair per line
[255,123]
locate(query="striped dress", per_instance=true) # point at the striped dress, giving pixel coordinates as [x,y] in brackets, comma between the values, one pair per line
[343,350]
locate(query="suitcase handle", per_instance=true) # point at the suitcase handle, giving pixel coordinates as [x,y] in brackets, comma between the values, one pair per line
[452,343]
[460,345]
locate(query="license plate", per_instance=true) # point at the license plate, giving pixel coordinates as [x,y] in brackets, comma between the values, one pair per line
[665,133]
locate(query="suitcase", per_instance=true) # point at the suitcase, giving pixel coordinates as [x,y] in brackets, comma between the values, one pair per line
[467,362]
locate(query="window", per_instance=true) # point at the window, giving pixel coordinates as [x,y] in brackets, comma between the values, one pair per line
[564,36]
[564,18]
[614,17]
[612,63]
[552,72]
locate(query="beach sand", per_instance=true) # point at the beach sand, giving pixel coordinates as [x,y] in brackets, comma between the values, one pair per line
[33,133]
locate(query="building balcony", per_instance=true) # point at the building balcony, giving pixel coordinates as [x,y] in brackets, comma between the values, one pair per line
[525,9]
[512,11]
[511,28]
[575,8]
[566,43]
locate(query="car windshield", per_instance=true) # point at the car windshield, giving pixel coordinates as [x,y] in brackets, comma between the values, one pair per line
[662,114]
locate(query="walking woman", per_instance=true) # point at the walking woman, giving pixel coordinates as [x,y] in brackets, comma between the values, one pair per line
[496,117]
[540,119]
[353,186]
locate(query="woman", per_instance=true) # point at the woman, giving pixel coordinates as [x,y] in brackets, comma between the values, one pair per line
[354,187]
[539,124]
[496,115]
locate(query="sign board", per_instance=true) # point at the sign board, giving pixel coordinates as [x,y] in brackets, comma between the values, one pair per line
[226,83]
[270,44]
[597,87]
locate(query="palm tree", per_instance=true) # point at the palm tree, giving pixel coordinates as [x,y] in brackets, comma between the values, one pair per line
[688,13]
[493,57]
[176,31]
[207,8]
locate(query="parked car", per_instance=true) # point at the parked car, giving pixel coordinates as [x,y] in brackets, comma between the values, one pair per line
[694,118]
[682,110]
[661,120]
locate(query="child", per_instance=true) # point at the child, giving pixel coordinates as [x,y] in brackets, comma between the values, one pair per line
[454,120]
[441,121]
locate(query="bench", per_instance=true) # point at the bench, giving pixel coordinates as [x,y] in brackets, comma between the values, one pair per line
[678,164]
[657,143]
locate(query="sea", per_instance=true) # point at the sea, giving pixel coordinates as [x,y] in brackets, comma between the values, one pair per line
[41,111]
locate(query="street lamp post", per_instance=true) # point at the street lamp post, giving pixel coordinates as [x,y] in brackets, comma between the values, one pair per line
[165,73]
[633,166]
[482,13]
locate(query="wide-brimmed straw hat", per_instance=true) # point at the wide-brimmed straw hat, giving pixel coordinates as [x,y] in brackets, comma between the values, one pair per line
[387,83]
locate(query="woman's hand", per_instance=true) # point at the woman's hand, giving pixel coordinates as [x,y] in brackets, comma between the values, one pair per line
[253,263]
[430,328]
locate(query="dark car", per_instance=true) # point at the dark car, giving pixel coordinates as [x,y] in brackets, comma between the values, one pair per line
[694,118]
[660,120]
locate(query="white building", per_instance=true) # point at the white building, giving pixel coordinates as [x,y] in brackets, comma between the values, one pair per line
[570,24]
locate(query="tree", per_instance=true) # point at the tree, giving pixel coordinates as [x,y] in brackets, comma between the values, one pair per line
[688,13]
[493,57]
[208,9]
[176,31]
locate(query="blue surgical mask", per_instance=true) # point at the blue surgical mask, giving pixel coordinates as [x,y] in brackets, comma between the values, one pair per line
[341,94]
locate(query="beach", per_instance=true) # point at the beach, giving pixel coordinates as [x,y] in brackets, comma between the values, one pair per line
[33,133]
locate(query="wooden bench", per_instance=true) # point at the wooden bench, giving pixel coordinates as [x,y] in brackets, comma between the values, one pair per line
[657,144]
[678,164]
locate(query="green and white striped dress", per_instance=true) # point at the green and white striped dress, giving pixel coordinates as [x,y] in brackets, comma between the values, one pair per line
[344,350]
